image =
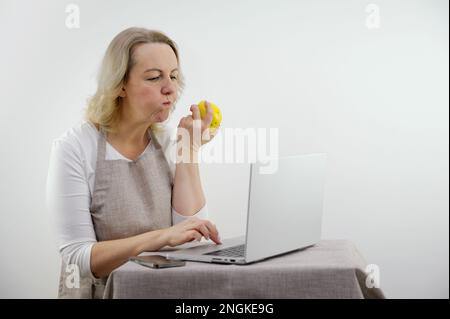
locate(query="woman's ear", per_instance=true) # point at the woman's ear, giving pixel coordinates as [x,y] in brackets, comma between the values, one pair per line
[122,92]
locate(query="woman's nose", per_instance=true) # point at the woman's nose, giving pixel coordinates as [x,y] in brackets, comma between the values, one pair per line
[169,86]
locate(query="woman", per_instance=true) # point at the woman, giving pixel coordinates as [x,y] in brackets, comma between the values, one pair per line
[113,184]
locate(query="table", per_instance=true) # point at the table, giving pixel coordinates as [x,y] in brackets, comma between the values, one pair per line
[329,269]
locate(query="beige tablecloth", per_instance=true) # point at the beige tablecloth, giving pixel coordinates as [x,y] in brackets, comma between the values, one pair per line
[330,269]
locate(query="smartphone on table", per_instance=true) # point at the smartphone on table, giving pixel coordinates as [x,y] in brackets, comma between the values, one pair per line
[156,261]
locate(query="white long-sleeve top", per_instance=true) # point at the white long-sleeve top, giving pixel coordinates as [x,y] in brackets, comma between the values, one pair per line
[70,183]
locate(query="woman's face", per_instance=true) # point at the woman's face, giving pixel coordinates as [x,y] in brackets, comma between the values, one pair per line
[152,81]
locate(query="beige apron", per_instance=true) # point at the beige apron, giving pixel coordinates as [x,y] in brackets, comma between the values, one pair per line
[129,198]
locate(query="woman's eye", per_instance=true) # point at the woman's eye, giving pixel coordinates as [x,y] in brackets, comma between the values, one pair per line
[153,79]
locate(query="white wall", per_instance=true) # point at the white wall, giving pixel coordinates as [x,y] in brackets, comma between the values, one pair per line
[376,100]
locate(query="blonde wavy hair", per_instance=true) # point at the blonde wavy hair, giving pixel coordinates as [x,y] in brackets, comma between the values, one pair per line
[103,107]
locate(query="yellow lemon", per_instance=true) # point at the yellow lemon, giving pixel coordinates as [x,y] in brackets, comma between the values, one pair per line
[217,115]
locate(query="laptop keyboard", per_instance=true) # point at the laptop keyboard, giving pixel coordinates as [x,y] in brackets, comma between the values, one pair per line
[235,251]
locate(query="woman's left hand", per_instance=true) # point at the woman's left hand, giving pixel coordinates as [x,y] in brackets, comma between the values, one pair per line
[193,131]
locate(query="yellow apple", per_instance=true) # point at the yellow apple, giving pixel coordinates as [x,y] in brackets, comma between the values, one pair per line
[217,115]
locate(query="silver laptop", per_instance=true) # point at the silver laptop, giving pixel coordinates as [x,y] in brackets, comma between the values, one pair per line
[284,214]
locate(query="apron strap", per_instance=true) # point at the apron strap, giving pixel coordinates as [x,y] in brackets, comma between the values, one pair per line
[101,150]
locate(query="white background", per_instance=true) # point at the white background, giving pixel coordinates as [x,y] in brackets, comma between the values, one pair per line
[376,100]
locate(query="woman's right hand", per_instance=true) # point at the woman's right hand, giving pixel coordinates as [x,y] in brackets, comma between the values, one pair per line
[191,229]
